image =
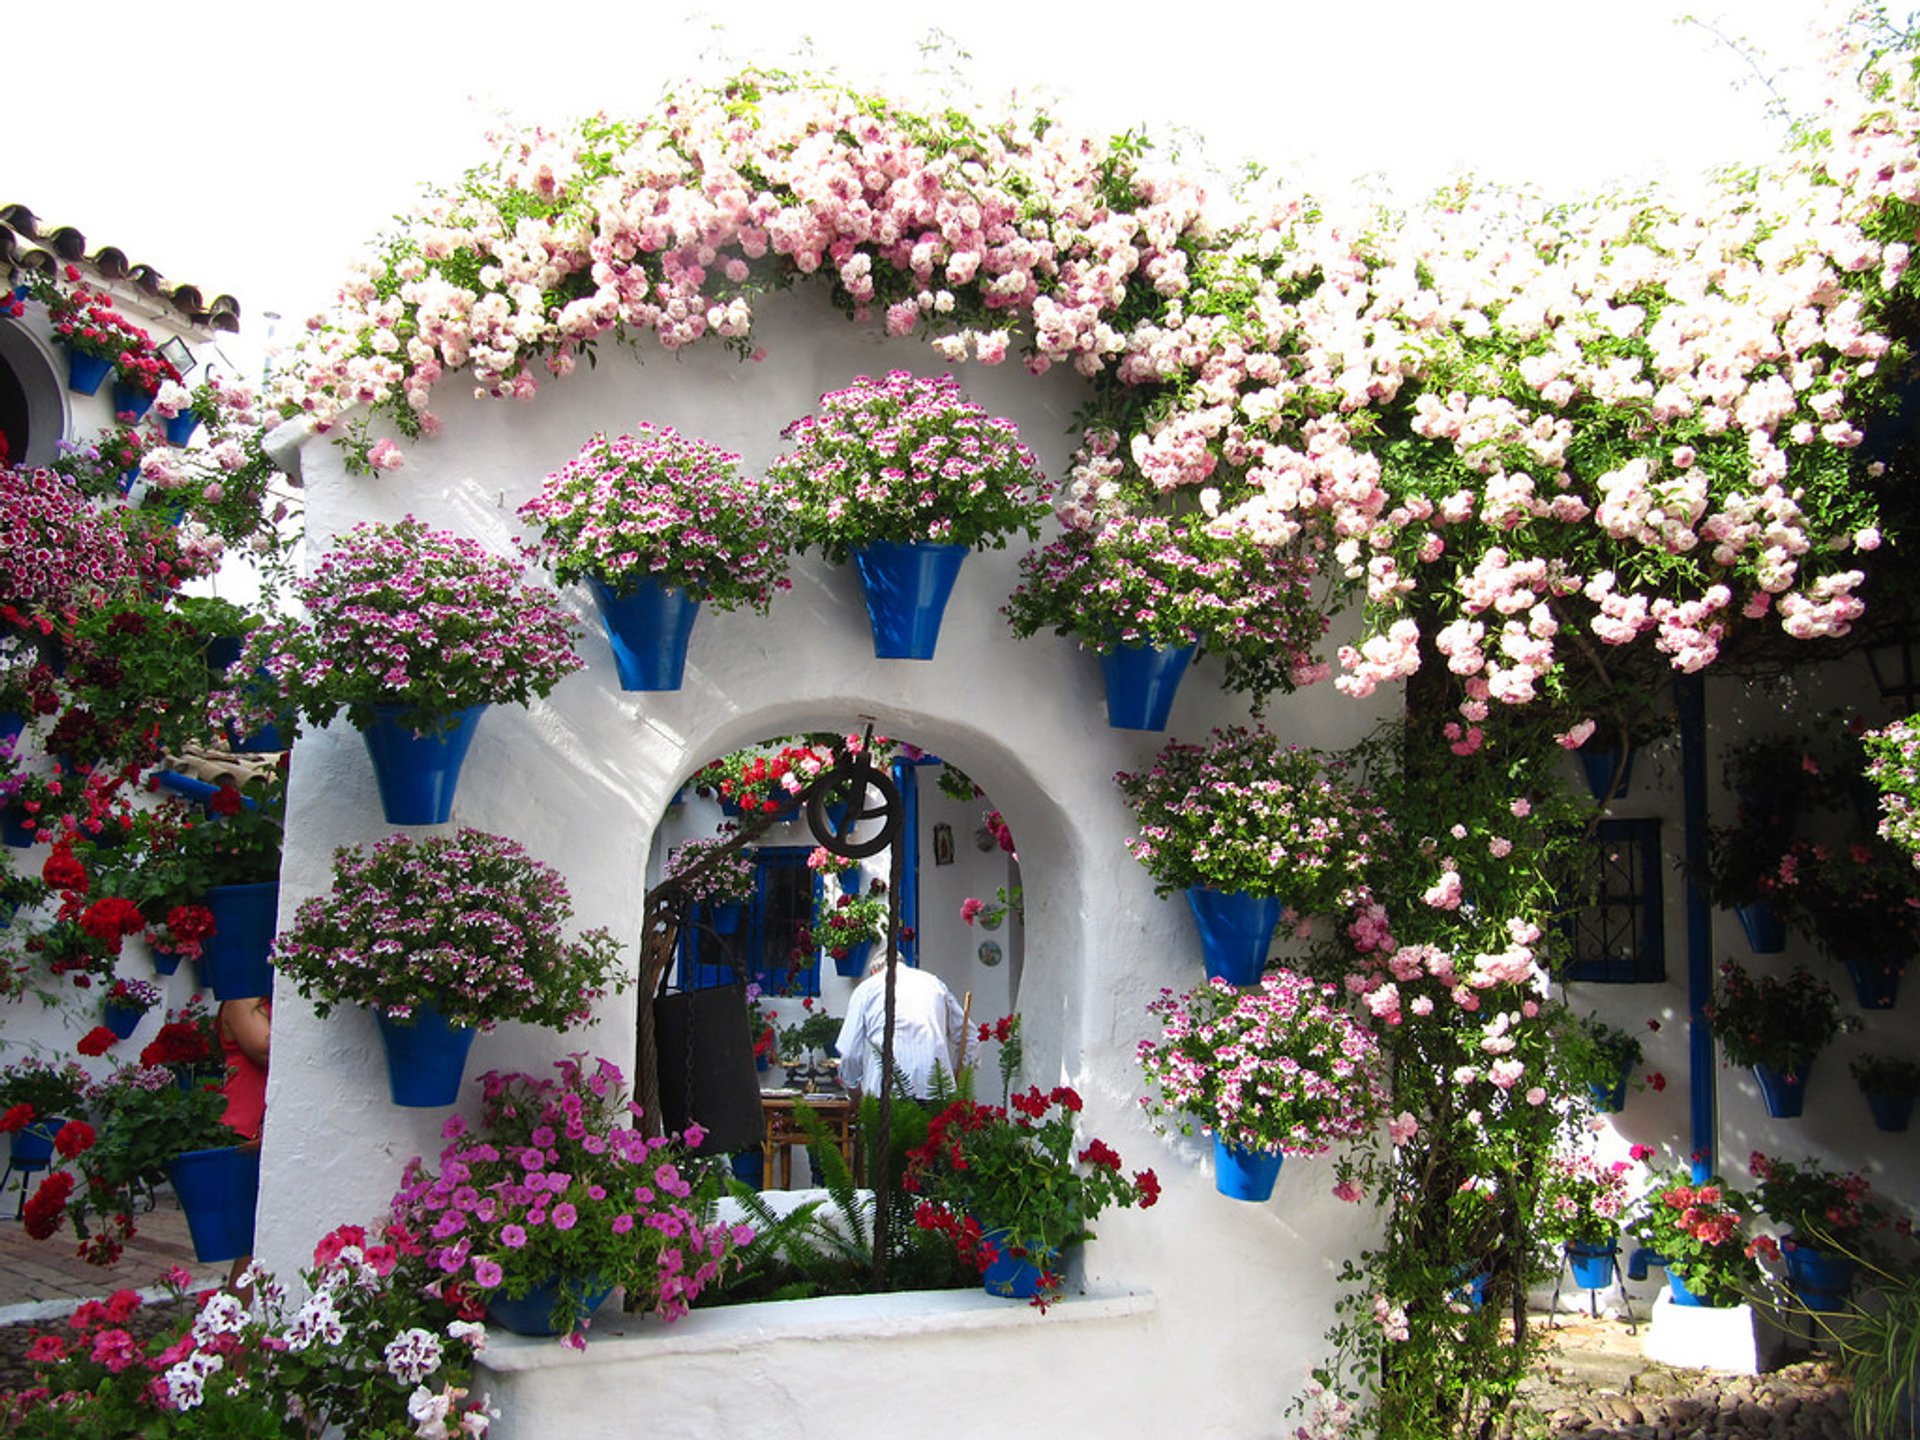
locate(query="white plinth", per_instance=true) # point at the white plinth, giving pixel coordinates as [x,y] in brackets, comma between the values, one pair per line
[1736,1338]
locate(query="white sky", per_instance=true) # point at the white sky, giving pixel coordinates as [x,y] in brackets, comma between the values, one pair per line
[251,147]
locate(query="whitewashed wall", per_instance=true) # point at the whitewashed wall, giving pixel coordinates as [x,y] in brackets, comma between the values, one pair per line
[1241,1293]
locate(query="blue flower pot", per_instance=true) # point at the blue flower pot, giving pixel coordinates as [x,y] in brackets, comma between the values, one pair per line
[1593,1262]
[418,774]
[1820,1280]
[648,630]
[907,587]
[218,1190]
[1892,1113]
[31,1146]
[1601,764]
[86,373]
[234,958]
[1015,1276]
[727,916]
[1677,1288]
[1236,931]
[1876,980]
[426,1057]
[1785,1095]
[12,724]
[1141,683]
[15,829]
[127,399]
[181,427]
[854,962]
[123,1020]
[1611,1100]
[532,1313]
[1766,931]
[1243,1174]
[748,1167]
[165,962]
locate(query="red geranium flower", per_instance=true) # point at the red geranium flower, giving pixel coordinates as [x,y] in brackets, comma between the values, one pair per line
[112,918]
[49,1202]
[17,1118]
[97,1041]
[62,870]
[190,922]
[224,801]
[75,1138]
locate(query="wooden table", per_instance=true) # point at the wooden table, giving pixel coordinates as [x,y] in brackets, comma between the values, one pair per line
[783,1132]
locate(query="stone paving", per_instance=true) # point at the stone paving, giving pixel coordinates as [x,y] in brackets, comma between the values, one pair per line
[42,1278]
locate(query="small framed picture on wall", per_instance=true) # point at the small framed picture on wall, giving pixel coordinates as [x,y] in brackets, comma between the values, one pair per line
[943,844]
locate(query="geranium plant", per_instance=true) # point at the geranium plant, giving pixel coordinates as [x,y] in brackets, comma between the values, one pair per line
[32,1088]
[1781,1023]
[555,1184]
[1016,1168]
[1820,1208]
[666,507]
[57,553]
[1282,1067]
[1701,1230]
[714,871]
[1246,812]
[410,616]
[373,1347]
[907,459]
[842,921]
[188,1043]
[1886,1074]
[1128,579]
[132,994]
[1581,1200]
[468,923]
[1893,765]
[763,780]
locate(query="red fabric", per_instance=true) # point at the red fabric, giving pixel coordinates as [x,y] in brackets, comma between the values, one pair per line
[246,1088]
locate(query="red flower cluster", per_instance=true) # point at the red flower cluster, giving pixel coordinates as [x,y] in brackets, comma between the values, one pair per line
[111,919]
[63,870]
[1001,1030]
[97,1041]
[18,1117]
[48,1204]
[76,1137]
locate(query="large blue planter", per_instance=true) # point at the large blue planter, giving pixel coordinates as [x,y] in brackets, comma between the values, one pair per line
[1876,980]
[1785,1095]
[854,962]
[907,587]
[417,774]
[218,1190]
[123,1020]
[128,400]
[426,1057]
[1236,932]
[1141,683]
[1892,1113]
[86,373]
[1766,931]
[648,630]
[1677,1288]
[1015,1276]
[532,1313]
[1242,1174]
[1820,1280]
[234,958]
[1593,1262]
[181,427]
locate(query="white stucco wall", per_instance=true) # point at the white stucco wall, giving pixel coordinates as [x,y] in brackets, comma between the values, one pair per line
[1241,1294]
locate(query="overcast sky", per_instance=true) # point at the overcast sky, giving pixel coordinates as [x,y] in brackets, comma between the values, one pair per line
[252,148]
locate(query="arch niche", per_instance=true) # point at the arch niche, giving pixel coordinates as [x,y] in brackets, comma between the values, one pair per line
[583,779]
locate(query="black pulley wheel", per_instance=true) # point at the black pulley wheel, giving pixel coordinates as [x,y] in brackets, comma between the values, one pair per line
[855,792]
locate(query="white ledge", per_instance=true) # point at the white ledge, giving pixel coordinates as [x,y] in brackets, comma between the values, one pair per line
[617,1338]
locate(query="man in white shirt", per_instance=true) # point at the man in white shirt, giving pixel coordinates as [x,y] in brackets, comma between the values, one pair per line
[929,1028]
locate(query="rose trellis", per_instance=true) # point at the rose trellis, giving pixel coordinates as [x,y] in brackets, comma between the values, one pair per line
[1493,418]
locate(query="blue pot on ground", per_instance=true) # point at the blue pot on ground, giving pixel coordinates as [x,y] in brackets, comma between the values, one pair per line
[181,427]
[1766,931]
[218,1191]
[1017,1277]
[1243,1174]
[418,773]
[854,962]
[907,588]
[1785,1094]
[1141,683]
[532,1313]
[1593,1262]
[648,629]
[426,1057]
[86,373]
[128,400]
[1601,764]
[234,958]
[1236,931]
[1820,1279]
[123,1020]
[1677,1288]
[1876,980]
[1891,1113]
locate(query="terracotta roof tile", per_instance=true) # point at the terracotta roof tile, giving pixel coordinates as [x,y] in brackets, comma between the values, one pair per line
[25,245]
